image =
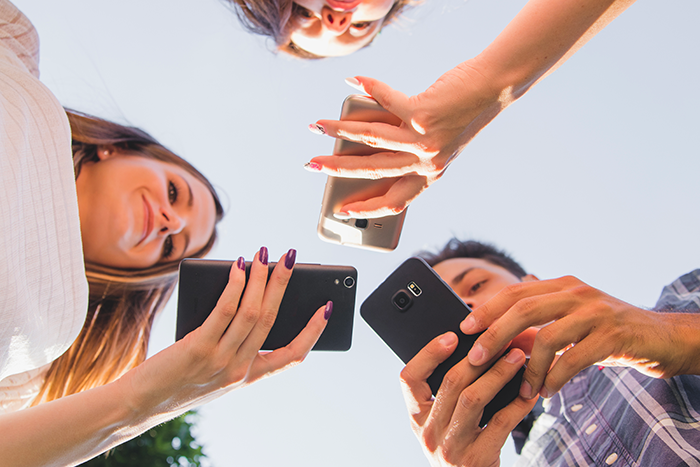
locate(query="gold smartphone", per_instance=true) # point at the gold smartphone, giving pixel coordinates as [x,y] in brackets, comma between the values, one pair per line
[380,234]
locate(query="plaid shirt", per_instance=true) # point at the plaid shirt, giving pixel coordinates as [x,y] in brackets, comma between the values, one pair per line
[619,417]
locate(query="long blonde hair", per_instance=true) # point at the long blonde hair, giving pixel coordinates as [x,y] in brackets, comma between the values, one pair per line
[122,302]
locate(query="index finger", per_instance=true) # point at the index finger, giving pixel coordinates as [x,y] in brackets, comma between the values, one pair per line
[372,134]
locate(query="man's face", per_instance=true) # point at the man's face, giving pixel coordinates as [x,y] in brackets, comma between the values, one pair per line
[476,280]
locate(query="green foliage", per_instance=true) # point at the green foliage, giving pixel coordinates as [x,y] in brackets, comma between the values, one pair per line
[170,444]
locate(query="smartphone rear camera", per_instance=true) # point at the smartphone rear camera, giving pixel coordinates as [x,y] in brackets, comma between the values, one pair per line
[361,223]
[349,282]
[402,300]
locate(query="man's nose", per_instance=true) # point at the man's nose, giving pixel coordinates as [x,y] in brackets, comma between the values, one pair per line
[336,21]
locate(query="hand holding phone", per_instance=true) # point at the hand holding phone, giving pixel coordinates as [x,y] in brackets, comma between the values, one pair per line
[412,307]
[310,286]
[381,234]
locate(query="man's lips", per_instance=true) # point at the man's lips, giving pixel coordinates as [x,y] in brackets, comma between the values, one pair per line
[147,221]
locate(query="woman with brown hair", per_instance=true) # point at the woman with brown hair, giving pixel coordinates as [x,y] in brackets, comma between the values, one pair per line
[312,29]
[85,198]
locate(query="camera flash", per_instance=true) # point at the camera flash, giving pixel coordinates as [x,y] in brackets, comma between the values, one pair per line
[415,290]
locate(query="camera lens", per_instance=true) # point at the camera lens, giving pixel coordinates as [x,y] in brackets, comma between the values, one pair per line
[402,300]
[349,282]
[361,223]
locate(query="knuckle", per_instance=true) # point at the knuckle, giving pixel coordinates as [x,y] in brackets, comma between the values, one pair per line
[267,319]
[250,315]
[546,338]
[470,399]
[499,420]
[452,378]
[369,139]
[228,310]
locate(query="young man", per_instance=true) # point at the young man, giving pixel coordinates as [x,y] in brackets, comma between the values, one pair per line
[604,415]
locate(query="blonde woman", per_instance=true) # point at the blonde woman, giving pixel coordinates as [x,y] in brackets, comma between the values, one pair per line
[85,198]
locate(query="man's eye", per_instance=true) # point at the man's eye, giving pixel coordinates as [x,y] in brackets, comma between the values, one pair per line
[172,193]
[168,247]
[476,286]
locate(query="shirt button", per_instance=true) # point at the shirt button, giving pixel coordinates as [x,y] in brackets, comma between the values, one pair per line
[611,459]
[591,429]
[576,408]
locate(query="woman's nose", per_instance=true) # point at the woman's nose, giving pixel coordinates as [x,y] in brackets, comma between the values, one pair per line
[336,21]
[170,222]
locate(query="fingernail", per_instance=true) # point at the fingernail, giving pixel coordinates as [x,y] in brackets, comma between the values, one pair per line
[513,357]
[263,255]
[544,392]
[355,83]
[468,324]
[448,339]
[290,258]
[313,167]
[328,311]
[477,354]
[241,263]
[316,128]
[526,390]
[341,215]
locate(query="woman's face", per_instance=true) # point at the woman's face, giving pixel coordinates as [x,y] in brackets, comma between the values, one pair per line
[331,28]
[137,212]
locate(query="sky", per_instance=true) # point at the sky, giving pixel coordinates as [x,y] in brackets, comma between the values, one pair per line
[589,174]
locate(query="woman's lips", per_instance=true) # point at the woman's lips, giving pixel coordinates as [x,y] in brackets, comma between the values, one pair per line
[343,5]
[147,221]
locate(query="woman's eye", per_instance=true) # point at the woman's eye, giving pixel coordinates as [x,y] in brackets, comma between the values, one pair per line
[362,25]
[168,247]
[299,10]
[172,193]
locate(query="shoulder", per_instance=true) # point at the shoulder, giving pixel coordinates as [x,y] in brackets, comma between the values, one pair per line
[19,37]
[681,295]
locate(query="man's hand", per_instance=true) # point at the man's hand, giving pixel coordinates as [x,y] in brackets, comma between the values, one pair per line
[448,427]
[579,326]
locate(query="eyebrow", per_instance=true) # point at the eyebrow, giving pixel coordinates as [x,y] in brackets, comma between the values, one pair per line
[458,278]
[190,201]
[187,243]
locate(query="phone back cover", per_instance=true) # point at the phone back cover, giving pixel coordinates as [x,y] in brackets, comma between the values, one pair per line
[310,287]
[436,310]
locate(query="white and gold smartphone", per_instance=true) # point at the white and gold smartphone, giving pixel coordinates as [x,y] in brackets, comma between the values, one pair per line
[381,234]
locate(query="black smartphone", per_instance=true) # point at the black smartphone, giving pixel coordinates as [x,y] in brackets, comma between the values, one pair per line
[412,307]
[311,286]
[382,233]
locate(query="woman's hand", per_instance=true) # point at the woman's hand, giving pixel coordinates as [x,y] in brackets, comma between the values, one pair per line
[436,125]
[587,325]
[223,354]
[448,426]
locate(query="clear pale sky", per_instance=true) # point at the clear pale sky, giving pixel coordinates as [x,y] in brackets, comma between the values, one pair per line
[593,173]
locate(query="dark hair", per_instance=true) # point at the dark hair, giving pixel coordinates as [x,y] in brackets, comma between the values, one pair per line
[122,302]
[456,248]
[273,18]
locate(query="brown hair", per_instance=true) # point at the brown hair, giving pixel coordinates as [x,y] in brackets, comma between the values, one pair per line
[274,18]
[122,302]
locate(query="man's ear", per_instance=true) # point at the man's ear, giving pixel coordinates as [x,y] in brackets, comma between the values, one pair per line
[529,278]
[106,152]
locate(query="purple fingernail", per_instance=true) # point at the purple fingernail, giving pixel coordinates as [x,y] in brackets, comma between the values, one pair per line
[328,311]
[290,258]
[263,255]
[316,128]
[313,167]
[241,263]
